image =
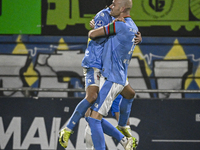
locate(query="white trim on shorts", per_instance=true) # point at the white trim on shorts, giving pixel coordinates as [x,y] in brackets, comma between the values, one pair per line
[106,96]
[93,74]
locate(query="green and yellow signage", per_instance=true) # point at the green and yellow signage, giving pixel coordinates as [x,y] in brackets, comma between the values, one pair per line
[173,13]
[20,17]
[71,17]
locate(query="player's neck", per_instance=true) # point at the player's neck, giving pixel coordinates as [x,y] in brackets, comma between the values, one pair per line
[125,14]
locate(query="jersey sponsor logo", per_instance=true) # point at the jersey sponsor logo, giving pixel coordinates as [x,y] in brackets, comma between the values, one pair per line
[99,23]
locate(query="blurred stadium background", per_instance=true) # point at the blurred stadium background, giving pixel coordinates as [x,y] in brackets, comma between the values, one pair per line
[42,43]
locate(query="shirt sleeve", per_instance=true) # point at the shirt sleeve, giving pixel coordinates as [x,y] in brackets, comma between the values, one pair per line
[110,29]
[102,19]
[114,28]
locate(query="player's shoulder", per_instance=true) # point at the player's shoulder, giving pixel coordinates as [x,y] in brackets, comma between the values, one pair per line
[102,18]
[120,24]
[103,13]
[126,28]
[128,23]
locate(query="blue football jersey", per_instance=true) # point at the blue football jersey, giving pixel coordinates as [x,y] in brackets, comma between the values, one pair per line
[93,52]
[118,50]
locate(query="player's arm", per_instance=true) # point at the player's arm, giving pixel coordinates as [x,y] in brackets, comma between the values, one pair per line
[99,32]
[106,30]
[138,38]
[92,24]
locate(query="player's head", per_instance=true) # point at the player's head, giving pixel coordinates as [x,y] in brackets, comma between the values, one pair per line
[120,7]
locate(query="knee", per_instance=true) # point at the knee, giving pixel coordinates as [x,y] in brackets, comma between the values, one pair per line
[91,98]
[131,95]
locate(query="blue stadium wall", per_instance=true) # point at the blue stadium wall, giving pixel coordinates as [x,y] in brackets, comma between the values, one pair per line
[159,124]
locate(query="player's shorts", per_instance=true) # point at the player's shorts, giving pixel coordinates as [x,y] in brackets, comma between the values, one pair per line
[115,105]
[108,92]
[92,77]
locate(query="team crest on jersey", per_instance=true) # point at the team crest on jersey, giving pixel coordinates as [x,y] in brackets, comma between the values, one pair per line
[102,14]
[89,80]
[99,23]
[96,105]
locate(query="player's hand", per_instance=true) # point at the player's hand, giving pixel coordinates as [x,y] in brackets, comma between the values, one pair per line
[120,19]
[92,24]
[138,38]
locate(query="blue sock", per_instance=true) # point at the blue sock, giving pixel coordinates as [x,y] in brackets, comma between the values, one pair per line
[125,109]
[79,112]
[110,130]
[97,134]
